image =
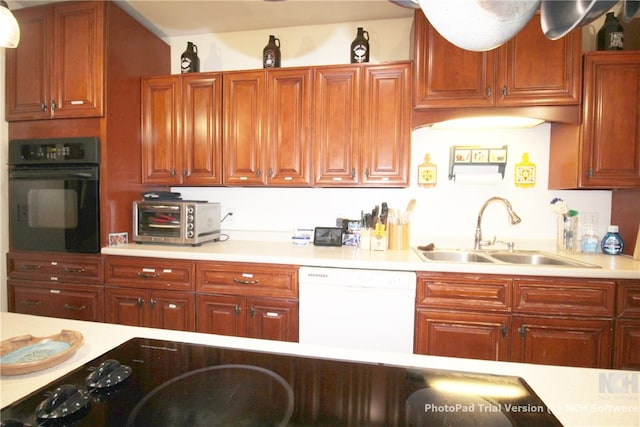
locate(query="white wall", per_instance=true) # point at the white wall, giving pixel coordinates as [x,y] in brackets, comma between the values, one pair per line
[445,214]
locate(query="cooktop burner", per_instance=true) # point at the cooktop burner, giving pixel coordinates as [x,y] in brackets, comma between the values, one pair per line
[146,382]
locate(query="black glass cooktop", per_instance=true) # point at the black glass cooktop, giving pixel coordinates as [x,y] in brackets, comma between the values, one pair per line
[146,382]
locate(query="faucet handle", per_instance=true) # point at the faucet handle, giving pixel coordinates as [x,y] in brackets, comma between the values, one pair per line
[510,245]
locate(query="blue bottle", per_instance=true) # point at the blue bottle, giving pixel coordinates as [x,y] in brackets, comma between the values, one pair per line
[612,242]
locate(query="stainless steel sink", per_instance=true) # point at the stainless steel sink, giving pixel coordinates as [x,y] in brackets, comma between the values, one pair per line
[532,258]
[453,256]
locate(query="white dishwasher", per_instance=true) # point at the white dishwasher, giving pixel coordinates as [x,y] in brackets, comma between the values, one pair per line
[353,308]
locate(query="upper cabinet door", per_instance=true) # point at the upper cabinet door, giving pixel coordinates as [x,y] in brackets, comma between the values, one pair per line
[57,70]
[386,132]
[337,118]
[78,60]
[28,66]
[611,127]
[201,128]
[289,133]
[447,76]
[244,127]
[533,70]
[160,130]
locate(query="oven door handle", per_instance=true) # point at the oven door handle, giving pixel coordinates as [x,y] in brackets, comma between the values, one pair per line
[84,173]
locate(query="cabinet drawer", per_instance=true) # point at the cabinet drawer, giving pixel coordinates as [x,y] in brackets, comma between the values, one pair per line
[464,291]
[248,279]
[628,304]
[79,302]
[51,267]
[565,297]
[149,273]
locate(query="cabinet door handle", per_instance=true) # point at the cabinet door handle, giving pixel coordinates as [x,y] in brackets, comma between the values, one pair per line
[146,275]
[259,172]
[503,330]
[43,106]
[523,331]
[270,172]
[74,307]
[140,301]
[489,91]
[237,309]
[366,173]
[245,282]
[31,302]
[74,270]
[54,105]
[504,91]
[353,173]
[252,311]
[30,267]
[153,302]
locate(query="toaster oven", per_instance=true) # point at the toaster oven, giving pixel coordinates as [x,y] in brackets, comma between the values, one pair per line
[176,222]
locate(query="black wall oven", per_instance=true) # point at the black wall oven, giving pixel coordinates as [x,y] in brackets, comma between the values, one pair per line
[54,200]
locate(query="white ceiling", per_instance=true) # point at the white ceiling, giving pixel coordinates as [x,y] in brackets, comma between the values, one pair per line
[168,18]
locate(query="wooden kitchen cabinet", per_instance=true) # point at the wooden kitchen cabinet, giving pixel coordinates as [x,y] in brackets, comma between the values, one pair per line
[57,71]
[56,284]
[529,70]
[362,124]
[251,300]
[267,127]
[563,321]
[547,320]
[264,318]
[154,292]
[562,341]
[156,309]
[67,301]
[182,129]
[604,151]
[626,351]
[463,315]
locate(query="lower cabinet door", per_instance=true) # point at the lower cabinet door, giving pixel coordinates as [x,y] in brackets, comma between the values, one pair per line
[562,341]
[221,314]
[272,319]
[173,310]
[468,335]
[68,301]
[626,353]
[126,307]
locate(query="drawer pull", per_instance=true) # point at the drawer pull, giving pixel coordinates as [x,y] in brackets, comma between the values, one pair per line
[30,302]
[74,270]
[503,330]
[30,267]
[245,282]
[146,275]
[75,307]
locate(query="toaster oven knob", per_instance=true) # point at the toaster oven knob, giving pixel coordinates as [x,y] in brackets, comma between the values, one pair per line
[190,234]
[190,226]
[190,218]
[190,210]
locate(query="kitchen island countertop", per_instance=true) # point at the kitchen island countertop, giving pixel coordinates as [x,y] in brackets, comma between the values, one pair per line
[577,396]
[277,252]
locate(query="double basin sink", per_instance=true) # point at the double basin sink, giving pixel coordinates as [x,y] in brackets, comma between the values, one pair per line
[501,257]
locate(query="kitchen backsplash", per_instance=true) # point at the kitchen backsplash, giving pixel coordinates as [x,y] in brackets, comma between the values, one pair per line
[444,214]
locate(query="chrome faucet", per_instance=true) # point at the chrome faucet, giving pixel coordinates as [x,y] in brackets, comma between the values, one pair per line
[515,219]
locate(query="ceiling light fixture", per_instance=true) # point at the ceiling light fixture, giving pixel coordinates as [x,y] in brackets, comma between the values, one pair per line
[489,122]
[9,28]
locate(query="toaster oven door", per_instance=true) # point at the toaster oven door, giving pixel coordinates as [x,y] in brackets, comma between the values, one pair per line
[159,220]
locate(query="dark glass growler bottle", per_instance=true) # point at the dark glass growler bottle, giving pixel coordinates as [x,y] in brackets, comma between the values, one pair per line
[360,47]
[189,62]
[271,53]
[611,35]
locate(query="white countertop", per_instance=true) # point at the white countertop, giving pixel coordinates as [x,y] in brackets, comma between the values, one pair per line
[577,396]
[277,252]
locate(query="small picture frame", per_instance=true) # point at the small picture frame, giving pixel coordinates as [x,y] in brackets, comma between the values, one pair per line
[116,239]
[327,236]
